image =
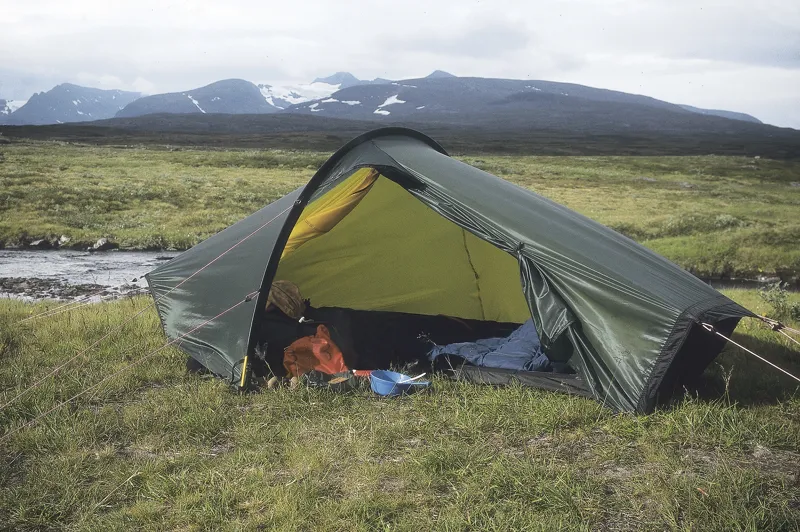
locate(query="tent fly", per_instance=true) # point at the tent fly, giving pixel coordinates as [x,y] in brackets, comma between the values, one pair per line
[396,236]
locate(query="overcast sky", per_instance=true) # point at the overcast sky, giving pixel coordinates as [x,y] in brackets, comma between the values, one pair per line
[736,55]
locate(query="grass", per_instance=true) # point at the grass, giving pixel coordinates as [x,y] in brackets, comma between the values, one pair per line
[717,216]
[157,449]
[141,198]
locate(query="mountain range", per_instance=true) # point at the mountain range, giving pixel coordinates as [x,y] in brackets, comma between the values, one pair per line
[439,98]
[70,103]
[506,102]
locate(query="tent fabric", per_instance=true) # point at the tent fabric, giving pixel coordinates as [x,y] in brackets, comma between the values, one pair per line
[185,304]
[521,350]
[435,267]
[323,214]
[626,317]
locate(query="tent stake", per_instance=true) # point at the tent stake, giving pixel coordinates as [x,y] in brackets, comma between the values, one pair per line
[244,374]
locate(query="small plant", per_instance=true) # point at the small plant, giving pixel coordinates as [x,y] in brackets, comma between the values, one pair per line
[778,298]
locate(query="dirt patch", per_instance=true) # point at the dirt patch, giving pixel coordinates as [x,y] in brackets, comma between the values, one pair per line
[776,462]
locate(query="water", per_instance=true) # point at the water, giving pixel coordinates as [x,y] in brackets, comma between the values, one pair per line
[59,269]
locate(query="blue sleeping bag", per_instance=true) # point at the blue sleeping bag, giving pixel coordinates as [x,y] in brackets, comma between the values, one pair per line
[521,351]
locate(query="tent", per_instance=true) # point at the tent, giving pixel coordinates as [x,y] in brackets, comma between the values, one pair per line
[391,223]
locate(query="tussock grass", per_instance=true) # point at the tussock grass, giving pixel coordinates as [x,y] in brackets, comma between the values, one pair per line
[157,449]
[717,216]
[141,198]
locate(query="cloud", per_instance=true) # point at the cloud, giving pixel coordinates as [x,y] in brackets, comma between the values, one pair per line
[101,81]
[479,38]
[144,86]
[763,33]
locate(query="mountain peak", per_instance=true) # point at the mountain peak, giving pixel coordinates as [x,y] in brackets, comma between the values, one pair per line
[231,83]
[227,96]
[438,74]
[68,102]
[343,79]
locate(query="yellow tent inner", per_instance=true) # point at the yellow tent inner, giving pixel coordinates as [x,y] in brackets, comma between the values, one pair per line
[368,244]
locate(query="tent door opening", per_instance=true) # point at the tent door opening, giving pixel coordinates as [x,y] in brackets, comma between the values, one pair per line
[392,277]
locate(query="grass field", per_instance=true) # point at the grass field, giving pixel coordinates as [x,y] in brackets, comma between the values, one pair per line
[717,216]
[156,449]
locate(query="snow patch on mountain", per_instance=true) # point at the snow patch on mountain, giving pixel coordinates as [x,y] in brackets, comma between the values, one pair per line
[282,96]
[15,104]
[351,102]
[391,100]
[270,101]
[313,108]
[9,106]
[196,103]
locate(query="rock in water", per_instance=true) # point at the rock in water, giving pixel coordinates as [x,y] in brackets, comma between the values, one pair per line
[42,243]
[104,244]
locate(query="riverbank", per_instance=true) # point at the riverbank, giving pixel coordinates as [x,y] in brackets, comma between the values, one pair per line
[718,217]
[36,289]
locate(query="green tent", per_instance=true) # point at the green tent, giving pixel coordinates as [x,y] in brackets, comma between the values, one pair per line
[391,223]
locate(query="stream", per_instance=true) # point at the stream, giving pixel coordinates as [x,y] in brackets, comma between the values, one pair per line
[35,275]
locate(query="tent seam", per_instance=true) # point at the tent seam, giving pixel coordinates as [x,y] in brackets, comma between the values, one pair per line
[474,273]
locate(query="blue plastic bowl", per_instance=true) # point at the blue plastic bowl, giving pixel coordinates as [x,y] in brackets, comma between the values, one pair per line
[388,383]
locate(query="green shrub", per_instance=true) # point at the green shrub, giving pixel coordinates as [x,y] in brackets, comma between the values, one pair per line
[777,297]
